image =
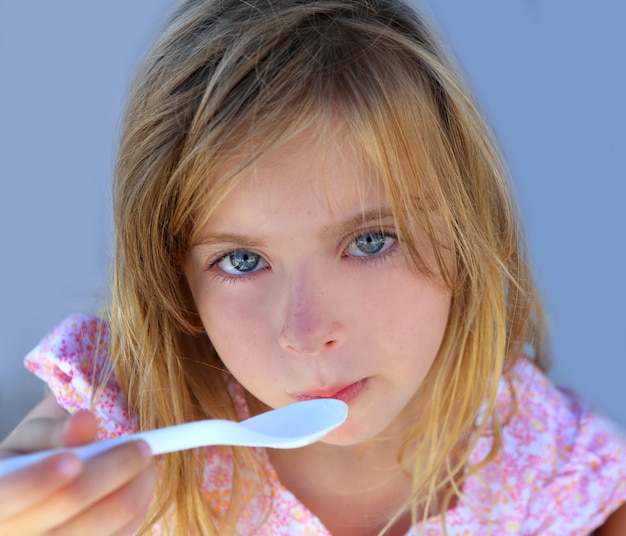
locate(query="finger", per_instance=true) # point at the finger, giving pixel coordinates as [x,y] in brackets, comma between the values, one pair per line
[25,488]
[100,477]
[34,435]
[47,433]
[80,428]
[132,528]
[120,512]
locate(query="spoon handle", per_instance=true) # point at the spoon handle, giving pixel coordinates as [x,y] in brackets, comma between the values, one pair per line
[163,440]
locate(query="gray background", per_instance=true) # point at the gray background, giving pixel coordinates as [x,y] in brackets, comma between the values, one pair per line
[550,75]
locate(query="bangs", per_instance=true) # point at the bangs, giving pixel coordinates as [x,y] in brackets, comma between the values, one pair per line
[362,85]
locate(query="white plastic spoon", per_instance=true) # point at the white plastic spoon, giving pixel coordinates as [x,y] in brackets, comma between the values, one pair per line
[292,426]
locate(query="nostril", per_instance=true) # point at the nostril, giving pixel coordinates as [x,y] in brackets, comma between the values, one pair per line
[299,341]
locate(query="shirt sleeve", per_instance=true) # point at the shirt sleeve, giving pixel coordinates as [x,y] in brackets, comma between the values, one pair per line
[73,359]
[584,479]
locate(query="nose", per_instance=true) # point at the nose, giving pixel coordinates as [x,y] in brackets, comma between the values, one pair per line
[310,325]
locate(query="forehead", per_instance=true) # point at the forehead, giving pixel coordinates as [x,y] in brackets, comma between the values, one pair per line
[307,175]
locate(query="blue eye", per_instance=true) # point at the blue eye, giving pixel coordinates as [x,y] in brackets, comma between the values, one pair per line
[241,262]
[370,243]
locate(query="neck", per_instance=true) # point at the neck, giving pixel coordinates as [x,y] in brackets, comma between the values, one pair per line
[351,489]
[354,490]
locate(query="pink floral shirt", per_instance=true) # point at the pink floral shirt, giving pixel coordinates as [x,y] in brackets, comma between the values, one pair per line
[561,470]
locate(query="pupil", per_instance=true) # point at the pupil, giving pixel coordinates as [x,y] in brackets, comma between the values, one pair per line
[370,242]
[244,261]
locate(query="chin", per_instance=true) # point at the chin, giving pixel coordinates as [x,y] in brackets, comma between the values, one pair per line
[348,435]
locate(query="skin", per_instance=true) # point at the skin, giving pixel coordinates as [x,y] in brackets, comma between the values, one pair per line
[108,495]
[25,493]
[317,313]
[310,313]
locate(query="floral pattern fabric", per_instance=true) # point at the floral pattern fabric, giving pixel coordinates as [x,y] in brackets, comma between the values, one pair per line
[561,469]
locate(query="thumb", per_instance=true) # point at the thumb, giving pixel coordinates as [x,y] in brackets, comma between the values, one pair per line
[45,433]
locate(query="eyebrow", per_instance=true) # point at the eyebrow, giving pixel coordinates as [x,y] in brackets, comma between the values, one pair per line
[228,238]
[376,215]
[340,228]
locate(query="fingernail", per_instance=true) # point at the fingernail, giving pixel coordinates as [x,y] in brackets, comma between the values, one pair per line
[68,465]
[145,448]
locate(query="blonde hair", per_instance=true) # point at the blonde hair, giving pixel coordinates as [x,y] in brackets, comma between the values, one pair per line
[229,75]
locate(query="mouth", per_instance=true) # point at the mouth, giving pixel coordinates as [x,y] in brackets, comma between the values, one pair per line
[346,393]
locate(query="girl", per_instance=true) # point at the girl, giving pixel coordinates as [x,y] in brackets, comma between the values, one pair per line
[308,204]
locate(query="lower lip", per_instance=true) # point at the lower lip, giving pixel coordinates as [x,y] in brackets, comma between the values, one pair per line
[347,394]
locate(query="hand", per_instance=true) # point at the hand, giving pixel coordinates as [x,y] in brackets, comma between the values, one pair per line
[106,495]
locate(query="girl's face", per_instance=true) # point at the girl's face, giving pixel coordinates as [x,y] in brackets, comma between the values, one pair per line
[305,291]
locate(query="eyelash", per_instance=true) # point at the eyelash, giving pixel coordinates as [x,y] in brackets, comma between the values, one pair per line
[225,277]
[378,255]
[375,257]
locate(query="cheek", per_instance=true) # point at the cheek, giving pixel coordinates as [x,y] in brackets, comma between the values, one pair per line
[415,317]
[237,327]
[241,332]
